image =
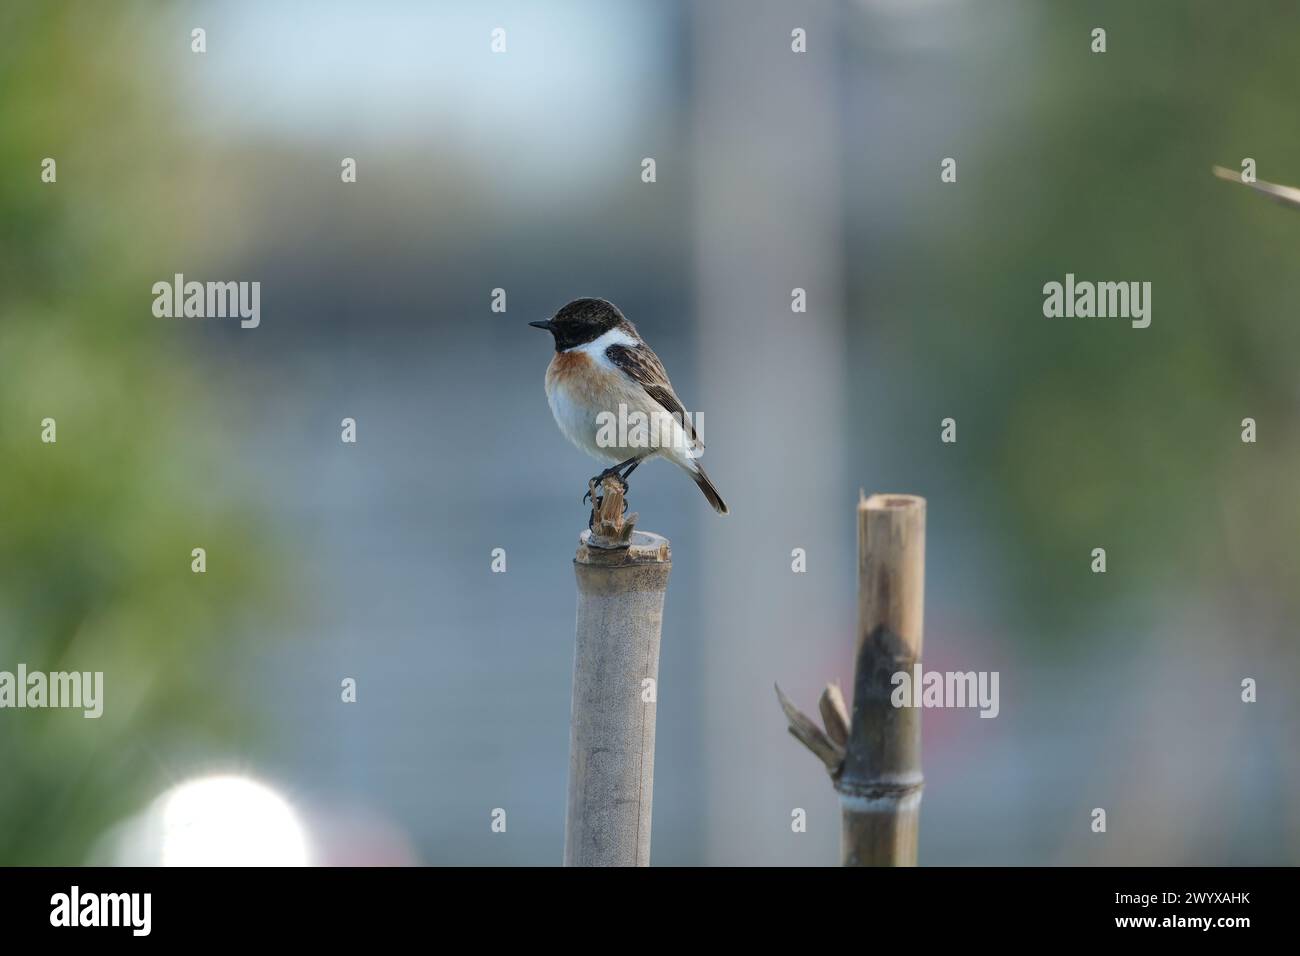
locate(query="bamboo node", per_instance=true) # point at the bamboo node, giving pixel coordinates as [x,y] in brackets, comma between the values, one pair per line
[877,790]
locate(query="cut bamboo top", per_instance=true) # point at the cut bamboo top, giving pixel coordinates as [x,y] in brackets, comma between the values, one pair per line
[644,547]
[891,574]
[881,502]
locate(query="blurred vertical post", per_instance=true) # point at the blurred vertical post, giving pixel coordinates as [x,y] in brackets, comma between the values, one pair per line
[622,579]
[768,207]
[880,783]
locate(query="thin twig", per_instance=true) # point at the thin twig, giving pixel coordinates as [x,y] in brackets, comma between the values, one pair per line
[811,736]
[835,716]
[1286,195]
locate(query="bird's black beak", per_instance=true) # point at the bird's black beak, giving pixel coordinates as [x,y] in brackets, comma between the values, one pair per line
[547,325]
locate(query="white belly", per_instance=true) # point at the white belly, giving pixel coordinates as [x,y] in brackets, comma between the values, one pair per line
[607,414]
[638,429]
[578,422]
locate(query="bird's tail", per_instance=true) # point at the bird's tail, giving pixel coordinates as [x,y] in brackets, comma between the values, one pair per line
[706,486]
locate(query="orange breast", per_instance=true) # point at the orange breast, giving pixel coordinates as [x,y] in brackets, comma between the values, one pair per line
[578,377]
[566,364]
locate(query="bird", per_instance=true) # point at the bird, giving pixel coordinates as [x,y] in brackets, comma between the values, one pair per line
[611,396]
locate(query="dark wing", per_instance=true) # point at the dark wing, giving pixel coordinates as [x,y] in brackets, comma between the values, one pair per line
[644,367]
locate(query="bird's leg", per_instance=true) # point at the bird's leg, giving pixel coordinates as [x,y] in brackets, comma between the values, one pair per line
[623,477]
[615,469]
[610,472]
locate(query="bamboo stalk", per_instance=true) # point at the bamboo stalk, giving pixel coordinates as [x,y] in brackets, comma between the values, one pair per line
[874,760]
[622,578]
[880,784]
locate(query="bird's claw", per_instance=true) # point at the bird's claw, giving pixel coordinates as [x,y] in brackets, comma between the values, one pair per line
[597,481]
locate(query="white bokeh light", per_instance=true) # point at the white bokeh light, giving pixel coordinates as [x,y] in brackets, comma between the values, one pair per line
[223,820]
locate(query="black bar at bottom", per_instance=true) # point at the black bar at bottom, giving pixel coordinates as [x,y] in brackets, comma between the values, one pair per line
[472,907]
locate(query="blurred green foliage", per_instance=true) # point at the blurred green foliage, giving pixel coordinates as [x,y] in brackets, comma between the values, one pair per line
[1080,433]
[96,530]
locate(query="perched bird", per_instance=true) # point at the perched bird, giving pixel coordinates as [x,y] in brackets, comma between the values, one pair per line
[611,397]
